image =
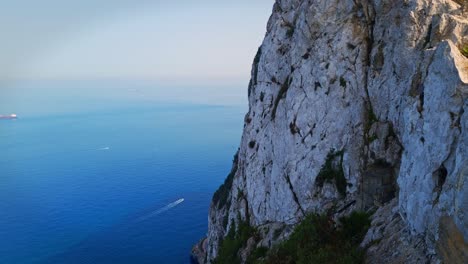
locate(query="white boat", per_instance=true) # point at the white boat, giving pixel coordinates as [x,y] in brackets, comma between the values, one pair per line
[12,116]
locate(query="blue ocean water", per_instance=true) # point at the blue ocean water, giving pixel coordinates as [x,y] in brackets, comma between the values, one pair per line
[97,174]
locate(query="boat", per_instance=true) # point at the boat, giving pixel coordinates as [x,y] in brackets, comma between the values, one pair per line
[12,116]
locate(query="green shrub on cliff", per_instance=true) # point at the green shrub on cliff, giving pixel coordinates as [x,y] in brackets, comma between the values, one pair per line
[333,173]
[233,242]
[318,239]
[220,197]
[464,50]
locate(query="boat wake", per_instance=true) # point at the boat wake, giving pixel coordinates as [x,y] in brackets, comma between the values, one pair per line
[106,148]
[159,211]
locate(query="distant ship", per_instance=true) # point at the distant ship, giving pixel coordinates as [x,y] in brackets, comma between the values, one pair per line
[12,116]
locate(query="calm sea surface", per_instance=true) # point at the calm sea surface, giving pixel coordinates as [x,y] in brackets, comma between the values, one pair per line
[92,173]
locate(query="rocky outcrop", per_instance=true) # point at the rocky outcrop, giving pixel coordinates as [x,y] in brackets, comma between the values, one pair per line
[353,104]
[198,254]
[389,240]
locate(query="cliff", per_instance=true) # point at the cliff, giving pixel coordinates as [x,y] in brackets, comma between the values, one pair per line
[356,105]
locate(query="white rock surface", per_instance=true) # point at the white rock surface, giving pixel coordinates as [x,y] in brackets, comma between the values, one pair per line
[324,69]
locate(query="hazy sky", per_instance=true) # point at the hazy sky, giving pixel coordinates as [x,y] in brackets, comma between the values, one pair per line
[203,40]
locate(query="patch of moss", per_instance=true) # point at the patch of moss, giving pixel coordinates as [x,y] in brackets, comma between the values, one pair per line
[253,80]
[464,50]
[371,119]
[277,233]
[220,197]
[318,239]
[372,138]
[225,220]
[290,31]
[332,173]
[257,255]
[281,94]
[233,242]
[354,227]
[342,82]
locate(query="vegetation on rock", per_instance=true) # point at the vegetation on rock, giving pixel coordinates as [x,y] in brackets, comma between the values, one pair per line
[221,196]
[281,94]
[235,240]
[464,50]
[318,239]
[333,173]
[253,80]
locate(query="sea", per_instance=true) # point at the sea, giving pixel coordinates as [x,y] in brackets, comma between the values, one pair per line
[104,172]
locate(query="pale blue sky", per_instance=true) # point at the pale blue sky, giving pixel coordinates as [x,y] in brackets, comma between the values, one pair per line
[189,41]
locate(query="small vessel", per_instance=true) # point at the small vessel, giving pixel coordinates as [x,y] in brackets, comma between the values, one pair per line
[12,116]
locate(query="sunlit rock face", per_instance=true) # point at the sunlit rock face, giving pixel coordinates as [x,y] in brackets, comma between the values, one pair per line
[375,89]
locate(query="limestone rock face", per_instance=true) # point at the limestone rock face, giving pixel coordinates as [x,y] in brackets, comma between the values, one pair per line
[390,241]
[377,89]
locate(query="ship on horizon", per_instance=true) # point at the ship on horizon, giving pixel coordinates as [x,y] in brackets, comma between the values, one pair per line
[12,116]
